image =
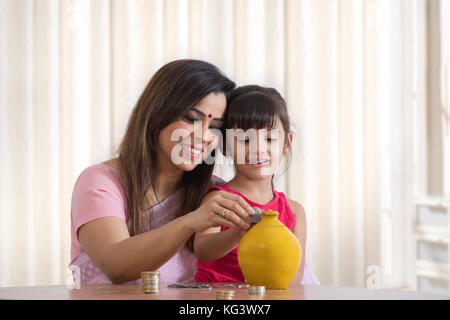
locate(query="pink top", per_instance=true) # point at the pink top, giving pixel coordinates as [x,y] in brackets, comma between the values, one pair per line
[226,269]
[100,192]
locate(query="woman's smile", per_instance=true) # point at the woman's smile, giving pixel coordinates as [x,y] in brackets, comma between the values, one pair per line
[193,151]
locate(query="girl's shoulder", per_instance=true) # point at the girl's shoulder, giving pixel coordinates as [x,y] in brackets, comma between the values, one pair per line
[216,181]
[297,209]
[220,185]
[295,206]
[292,211]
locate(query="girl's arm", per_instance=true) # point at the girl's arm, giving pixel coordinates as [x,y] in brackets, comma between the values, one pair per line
[211,244]
[299,231]
[122,258]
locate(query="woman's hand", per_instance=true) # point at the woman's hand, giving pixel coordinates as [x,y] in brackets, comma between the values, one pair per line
[221,208]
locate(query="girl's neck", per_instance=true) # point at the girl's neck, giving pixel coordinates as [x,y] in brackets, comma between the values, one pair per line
[259,191]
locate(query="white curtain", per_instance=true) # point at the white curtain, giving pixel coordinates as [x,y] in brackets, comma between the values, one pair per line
[72,70]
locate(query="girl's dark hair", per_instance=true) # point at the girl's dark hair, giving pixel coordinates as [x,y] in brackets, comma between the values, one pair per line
[172,91]
[257,107]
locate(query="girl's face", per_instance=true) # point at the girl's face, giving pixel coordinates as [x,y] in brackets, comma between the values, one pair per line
[258,154]
[186,142]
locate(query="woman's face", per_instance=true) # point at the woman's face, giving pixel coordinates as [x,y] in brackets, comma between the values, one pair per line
[186,142]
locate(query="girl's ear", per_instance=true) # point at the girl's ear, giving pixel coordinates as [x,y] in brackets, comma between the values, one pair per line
[288,144]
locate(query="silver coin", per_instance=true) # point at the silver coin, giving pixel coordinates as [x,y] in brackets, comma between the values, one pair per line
[256,217]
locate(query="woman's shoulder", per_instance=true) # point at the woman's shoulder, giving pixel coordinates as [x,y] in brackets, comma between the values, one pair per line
[99,171]
[99,176]
[97,193]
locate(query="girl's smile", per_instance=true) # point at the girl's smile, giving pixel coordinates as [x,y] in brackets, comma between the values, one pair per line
[259,163]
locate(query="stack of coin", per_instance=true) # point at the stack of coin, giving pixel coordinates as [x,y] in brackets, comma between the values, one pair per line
[150,280]
[258,290]
[224,295]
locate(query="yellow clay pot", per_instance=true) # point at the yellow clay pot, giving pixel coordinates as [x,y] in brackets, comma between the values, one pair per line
[269,253]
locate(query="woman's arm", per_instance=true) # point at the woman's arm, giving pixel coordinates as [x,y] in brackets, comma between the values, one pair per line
[299,231]
[211,244]
[122,258]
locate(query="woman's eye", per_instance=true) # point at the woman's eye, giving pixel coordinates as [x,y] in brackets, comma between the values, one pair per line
[191,119]
[244,141]
[271,139]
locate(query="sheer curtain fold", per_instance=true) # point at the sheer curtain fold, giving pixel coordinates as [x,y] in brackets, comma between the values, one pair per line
[350,142]
[73,70]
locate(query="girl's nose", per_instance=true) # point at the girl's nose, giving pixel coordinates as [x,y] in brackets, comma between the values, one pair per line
[262,145]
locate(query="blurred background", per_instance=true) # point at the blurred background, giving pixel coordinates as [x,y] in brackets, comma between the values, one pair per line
[366,83]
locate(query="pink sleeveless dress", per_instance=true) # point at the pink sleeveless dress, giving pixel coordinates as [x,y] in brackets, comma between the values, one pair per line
[226,269]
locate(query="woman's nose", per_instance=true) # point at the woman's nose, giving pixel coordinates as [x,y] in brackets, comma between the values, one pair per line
[202,133]
[207,134]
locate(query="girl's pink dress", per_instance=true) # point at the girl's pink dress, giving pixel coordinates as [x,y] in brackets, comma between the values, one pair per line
[226,269]
[100,192]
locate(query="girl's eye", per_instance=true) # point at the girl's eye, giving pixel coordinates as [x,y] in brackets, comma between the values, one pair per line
[244,141]
[271,139]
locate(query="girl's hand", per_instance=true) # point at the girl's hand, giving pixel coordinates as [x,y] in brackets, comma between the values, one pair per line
[221,208]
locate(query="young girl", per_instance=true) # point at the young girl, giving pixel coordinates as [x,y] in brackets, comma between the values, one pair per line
[256,157]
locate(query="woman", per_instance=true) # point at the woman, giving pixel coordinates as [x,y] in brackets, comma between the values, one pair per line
[139,211]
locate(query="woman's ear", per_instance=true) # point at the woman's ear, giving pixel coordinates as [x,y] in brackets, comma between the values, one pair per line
[288,144]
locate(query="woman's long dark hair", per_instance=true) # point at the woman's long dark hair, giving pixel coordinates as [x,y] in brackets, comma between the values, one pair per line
[172,91]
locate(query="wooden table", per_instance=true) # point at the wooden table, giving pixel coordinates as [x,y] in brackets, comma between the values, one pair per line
[133,292]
